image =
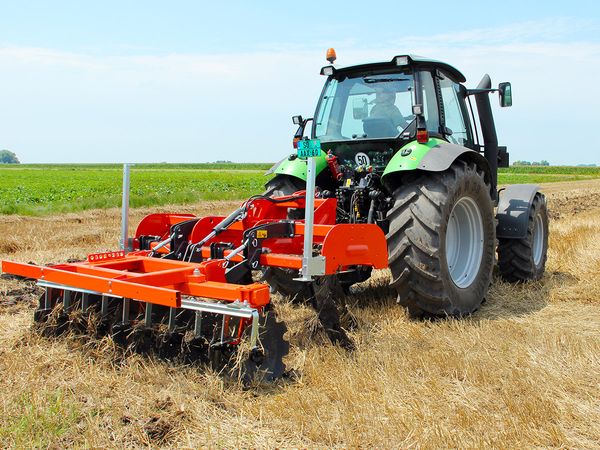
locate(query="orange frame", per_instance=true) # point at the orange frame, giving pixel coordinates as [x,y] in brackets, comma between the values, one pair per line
[152,280]
[140,277]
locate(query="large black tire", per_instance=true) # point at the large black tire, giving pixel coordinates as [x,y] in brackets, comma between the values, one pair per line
[418,255]
[282,280]
[283,185]
[525,259]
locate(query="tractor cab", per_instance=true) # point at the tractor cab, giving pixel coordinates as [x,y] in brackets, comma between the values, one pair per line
[375,109]
[385,117]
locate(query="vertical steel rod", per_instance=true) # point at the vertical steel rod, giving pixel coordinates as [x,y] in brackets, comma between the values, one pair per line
[222,330]
[198,324]
[309,215]
[126,303]
[48,299]
[148,315]
[85,302]
[172,315]
[104,306]
[125,210]
[66,301]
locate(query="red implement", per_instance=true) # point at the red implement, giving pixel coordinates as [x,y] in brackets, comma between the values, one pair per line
[151,280]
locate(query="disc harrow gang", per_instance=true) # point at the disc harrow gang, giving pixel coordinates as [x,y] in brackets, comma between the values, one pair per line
[186,291]
[189,335]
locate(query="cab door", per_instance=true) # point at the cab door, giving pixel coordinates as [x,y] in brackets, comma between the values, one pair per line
[455,122]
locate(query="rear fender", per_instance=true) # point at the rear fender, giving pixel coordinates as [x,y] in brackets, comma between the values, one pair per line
[514,206]
[296,167]
[436,155]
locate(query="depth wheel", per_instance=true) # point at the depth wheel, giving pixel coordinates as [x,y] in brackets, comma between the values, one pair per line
[441,242]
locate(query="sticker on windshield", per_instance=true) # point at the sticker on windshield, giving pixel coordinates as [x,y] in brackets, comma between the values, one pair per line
[362,159]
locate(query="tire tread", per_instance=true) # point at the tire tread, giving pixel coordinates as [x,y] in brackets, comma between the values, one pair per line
[414,240]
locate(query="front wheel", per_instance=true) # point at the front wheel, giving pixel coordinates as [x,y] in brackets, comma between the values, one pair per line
[525,259]
[442,239]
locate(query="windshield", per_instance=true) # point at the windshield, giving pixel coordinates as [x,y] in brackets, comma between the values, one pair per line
[365,107]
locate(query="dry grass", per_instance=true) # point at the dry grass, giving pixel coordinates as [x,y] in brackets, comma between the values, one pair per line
[522,372]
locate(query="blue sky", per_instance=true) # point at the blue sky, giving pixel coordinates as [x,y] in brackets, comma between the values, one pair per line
[191,82]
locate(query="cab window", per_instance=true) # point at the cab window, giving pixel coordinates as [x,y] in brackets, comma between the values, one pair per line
[369,106]
[455,124]
[430,105]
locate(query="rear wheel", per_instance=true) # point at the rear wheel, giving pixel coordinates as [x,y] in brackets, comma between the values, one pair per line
[283,185]
[525,259]
[441,241]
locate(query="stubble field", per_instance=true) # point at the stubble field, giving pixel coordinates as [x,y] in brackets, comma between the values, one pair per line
[524,371]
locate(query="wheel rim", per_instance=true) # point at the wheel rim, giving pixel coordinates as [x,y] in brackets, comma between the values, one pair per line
[538,240]
[464,242]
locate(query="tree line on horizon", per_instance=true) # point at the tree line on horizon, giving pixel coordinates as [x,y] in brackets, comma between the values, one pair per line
[543,162]
[8,157]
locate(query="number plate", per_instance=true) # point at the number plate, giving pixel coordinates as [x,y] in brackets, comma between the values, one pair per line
[309,148]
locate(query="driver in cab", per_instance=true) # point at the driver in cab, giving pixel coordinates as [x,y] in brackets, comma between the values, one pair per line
[385,107]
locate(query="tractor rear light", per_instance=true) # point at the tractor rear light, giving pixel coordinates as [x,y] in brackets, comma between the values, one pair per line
[422,136]
[295,142]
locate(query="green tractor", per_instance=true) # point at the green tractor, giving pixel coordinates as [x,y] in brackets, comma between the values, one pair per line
[401,148]
[395,161]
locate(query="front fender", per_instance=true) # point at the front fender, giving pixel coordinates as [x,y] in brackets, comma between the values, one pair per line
[296,167]
[513,210]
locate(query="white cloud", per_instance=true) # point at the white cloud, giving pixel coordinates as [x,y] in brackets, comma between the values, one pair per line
[60,106]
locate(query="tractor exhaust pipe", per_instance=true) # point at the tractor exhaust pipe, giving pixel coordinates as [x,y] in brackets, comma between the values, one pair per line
[488,129]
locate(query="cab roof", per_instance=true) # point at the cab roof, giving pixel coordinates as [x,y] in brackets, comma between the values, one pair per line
[413,61]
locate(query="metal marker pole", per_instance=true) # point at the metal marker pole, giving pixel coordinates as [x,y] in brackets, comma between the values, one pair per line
[309,215]
[125,210]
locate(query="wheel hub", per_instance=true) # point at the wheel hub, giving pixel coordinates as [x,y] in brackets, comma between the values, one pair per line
[538,240]
[464,242]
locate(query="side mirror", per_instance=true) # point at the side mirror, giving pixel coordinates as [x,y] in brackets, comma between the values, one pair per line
[297,120]
[505,91]
[360,108]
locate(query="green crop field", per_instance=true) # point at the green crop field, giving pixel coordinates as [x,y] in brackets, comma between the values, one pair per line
[39,189]
[547,174]
[42,189]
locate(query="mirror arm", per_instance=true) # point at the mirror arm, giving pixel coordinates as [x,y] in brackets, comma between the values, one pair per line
[481,91]
[301,127]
